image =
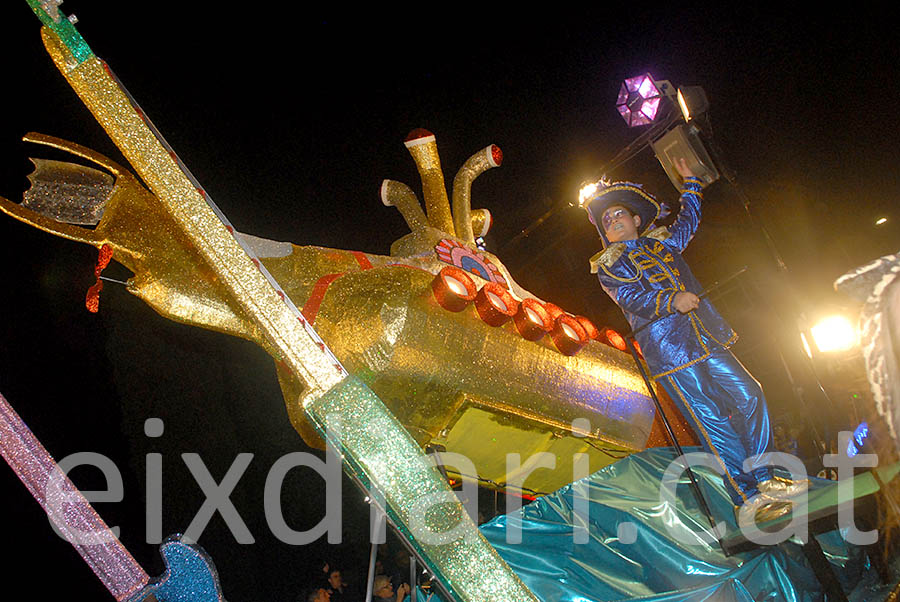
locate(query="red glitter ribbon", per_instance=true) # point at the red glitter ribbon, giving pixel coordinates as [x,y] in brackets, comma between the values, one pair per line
[92,299]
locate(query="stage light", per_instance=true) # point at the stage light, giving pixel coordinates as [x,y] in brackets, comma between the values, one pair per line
[639,100]
[880,221]
[693,102]
[833,334]
[587,192]
[683,142]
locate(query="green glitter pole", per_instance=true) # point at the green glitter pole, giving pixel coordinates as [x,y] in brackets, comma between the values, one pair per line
[62,27]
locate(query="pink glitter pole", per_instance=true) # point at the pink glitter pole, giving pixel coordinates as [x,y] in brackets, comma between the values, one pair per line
[68,510]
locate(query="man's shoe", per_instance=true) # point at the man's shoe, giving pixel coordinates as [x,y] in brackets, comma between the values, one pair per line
[760,510]
[773,510]
[778,488]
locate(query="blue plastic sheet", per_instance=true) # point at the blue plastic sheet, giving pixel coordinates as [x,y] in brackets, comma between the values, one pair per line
[641,548]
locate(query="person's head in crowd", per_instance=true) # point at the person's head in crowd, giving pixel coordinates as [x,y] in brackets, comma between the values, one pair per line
[382,587]
[319,594]
[335,579]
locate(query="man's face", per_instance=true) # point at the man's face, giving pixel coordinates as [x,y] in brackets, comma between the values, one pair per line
[619,224]
[334,578]
[386,591]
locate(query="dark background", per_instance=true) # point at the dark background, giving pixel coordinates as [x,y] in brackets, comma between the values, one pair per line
[291,119]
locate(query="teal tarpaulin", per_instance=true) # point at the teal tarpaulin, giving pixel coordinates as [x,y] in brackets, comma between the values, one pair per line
[637,547]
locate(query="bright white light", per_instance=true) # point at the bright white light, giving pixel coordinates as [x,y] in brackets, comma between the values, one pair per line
[880,221]
[456,286]
[684,108]
[806,347]
[834,333]
[534,316]
[570,332]
[586,192]
[496,301]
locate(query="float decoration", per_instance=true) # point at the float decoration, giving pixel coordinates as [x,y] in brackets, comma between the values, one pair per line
[448,378]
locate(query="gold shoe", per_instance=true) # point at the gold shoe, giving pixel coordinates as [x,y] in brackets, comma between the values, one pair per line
[778,488]
[773,510]
[760,510]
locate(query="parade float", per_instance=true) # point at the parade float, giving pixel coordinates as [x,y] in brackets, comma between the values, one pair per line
[380,357]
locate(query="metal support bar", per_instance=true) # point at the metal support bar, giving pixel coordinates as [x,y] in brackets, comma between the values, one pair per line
[695,487]
[830,585]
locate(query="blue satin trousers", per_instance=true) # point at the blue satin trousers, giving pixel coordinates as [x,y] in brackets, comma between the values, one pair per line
[726,407]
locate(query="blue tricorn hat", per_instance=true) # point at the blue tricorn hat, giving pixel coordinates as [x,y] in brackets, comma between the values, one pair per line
[628,195]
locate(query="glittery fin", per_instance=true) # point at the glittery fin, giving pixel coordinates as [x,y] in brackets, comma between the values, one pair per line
[68,192]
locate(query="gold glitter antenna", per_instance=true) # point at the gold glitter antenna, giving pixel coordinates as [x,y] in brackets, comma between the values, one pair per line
[463,217]
[423,148]
[399,195]
[464,224]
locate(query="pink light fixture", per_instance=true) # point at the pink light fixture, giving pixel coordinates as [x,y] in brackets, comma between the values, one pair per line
[638,101]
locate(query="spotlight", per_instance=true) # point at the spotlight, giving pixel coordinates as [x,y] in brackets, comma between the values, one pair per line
[638,101]
[833,334]
[880,221]
[683,142]
[693,102]
[587,192]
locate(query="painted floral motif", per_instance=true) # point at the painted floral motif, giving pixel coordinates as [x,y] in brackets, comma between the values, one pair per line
[461,256]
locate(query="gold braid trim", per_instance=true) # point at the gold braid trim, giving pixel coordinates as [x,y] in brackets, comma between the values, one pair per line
[607,257]
[690,363]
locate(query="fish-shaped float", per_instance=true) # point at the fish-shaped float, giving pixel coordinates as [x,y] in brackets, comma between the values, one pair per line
[431,347]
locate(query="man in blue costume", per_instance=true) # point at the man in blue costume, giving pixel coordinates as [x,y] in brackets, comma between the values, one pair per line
[683,338]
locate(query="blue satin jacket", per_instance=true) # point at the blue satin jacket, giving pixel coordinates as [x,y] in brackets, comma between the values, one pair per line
[643,276]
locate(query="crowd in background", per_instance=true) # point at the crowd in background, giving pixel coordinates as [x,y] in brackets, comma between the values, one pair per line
[335,582]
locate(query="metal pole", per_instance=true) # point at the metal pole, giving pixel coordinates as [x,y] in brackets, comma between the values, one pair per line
[412,579]
[377,535]
[695,487]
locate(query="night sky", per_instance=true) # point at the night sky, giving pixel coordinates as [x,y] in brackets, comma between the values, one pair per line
[291,119]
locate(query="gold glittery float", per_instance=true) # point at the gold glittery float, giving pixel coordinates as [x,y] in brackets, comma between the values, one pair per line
[421,374]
